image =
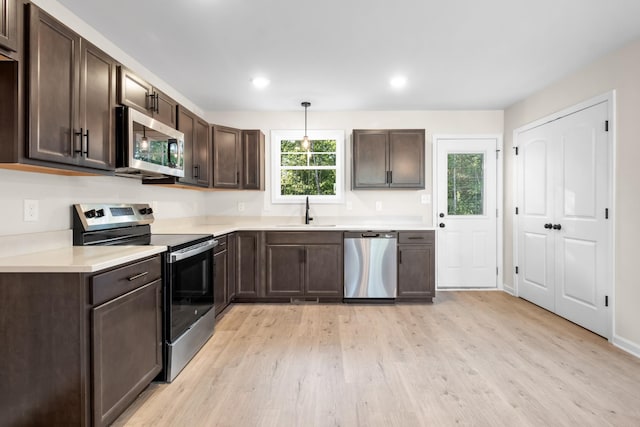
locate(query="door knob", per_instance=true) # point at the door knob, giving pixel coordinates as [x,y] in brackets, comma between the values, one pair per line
[548,226]
[441,215]
[557,227]
[441,225]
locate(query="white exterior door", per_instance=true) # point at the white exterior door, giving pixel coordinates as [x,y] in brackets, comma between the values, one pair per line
[563,183]
[466,212]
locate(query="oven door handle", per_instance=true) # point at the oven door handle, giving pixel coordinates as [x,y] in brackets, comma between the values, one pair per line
[191,251]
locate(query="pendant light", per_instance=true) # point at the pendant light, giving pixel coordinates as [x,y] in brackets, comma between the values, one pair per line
[305,139]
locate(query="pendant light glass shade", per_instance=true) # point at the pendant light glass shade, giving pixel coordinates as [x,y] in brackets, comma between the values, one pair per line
[305,140]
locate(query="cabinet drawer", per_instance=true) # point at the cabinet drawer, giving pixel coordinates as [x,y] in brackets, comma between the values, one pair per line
[106,286]
[304,237]
[416,237]
[222,244]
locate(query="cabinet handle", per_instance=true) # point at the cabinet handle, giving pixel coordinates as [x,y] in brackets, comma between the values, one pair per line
[80,135]
[237,177]
[196,171]
[156,102]
[86,135]
[137,276]
[148,97]
[416,238]
[557,226]
[548,226]
[399,257]
[390,177]
[386,177]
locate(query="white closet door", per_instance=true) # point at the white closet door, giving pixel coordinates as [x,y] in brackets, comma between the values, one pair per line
[563,235]
[581,199]
[535,237]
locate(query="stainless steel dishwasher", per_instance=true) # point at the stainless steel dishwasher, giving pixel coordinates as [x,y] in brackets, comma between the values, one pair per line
[370,264]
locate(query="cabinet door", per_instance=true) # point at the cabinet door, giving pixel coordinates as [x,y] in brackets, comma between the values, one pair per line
[416,275]
[231,267]
[406,158]
[220,281]
[126,348]
[97,104]
[187,125]
[133,91]
[226,157]
[8,22]
[285,270]
[370,159]
[201,157]
[252,160]
[164,109]
[323,275]
[54,57]
[247,264]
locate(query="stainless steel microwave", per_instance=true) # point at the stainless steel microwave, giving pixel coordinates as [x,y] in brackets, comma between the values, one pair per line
[146,147]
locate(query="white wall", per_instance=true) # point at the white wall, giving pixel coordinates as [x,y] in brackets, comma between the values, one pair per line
[396,205]
[56,193]
[619,71]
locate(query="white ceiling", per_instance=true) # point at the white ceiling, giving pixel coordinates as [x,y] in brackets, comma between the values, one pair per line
[341,54]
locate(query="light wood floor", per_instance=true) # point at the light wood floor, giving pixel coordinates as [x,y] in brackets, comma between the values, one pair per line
[471,358]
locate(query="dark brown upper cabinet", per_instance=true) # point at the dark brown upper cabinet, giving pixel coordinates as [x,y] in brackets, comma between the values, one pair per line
[252,160]
[238,158]
[197,147]
[136,93]
[227,157]
[71,97]
[8,25]
[388,159]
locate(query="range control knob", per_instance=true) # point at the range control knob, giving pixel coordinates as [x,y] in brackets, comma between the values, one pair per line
[143,211]
[99,213]
[90,213]
[149,211]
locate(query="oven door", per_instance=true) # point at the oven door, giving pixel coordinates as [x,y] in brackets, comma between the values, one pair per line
[190,291]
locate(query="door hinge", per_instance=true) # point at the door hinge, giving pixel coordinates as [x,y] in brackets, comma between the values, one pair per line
[497,271]
[516,148]
[606,125]
[606,300]
[516,210]
[606,213]
[516,269]
[497,154]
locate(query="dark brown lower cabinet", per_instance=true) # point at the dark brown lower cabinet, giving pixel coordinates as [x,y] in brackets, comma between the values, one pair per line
[247,278]
[416,266]
[78,348]
[127,350]
[220,277]
[304,264]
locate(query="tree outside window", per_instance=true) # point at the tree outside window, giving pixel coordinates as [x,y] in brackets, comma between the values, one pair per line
[315,172]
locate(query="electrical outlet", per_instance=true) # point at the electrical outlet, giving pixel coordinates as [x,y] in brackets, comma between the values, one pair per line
[30,210]
[378,206]
[240,206]
[425,199]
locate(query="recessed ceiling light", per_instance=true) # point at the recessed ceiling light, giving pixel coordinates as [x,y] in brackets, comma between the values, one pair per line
[398,82]
[260,82]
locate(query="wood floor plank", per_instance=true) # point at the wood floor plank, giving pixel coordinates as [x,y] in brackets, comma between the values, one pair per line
[470,358]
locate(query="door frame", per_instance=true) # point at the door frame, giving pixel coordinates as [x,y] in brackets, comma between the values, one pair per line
[499,199]
[609,97]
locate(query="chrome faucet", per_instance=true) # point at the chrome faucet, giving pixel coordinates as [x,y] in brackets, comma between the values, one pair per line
[307,218]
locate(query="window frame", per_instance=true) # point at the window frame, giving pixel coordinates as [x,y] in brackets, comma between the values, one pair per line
[276,167]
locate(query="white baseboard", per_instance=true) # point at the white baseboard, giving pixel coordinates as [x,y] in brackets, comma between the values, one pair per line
[509,289]
[626,345]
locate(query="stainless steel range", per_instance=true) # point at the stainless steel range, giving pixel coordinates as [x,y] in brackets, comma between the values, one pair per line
[188,273]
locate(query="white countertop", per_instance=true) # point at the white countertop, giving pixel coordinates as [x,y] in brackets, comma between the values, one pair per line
[76,259]
[89,259]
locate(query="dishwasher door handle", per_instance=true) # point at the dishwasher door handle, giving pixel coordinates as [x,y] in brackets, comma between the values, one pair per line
[370,235]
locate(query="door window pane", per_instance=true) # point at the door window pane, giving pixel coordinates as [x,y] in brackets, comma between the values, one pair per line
[465,185]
